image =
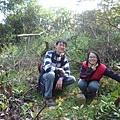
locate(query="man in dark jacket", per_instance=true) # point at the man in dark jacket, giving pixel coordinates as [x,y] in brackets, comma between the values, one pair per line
[57,71]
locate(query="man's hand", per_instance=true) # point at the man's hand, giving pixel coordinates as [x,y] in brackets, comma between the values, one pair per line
[59,84]
[61,71]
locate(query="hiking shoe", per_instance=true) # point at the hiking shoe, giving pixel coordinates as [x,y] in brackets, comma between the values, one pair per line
[50,102]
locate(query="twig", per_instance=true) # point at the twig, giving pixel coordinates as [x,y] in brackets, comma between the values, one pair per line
[36,118]
[27,91]
[28,35]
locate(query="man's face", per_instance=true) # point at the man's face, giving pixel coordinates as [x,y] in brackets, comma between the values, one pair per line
[60,47]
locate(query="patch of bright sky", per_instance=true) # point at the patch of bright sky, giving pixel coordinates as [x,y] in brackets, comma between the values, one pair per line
[71,4]
[1,17]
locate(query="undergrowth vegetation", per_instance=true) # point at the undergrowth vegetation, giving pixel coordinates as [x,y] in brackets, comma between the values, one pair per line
[29,31]
[20,99]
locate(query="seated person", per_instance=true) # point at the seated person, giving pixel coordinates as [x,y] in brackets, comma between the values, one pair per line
[57,71]
[91,72]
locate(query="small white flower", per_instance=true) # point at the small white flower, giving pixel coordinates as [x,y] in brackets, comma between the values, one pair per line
[119,26]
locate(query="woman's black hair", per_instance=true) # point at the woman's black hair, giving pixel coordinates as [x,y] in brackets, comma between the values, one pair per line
[94,52]
[61,41]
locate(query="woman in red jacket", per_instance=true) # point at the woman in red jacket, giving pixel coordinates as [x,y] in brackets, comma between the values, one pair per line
[91,72]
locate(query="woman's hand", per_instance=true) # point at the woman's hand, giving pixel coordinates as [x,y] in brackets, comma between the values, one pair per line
[94,67]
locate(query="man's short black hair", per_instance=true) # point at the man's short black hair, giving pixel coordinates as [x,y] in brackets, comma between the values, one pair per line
[61,41]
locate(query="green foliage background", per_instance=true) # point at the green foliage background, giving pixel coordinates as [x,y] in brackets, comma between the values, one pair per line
[91,30]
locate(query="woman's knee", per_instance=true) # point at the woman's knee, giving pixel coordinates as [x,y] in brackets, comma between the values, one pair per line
[94,85]
[82,83]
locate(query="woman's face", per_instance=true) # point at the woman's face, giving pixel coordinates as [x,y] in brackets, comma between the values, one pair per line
[92,59]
